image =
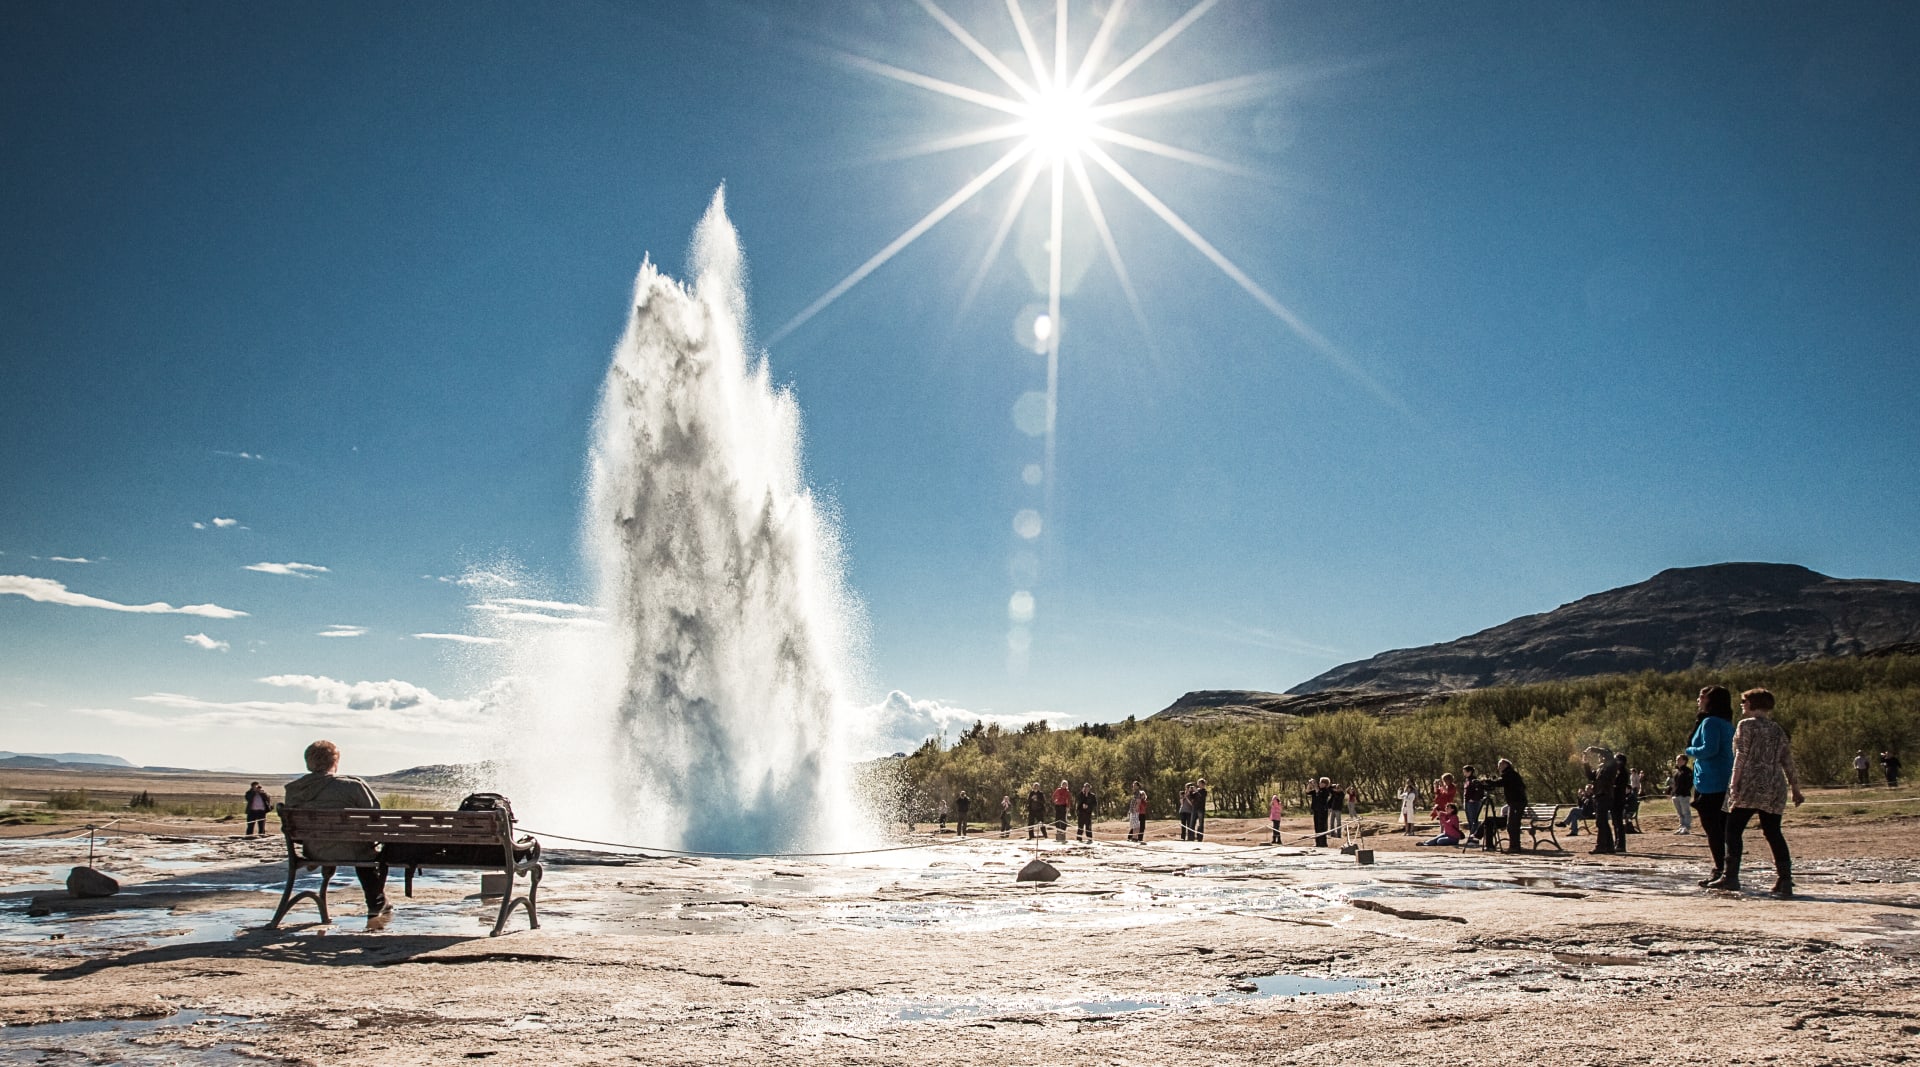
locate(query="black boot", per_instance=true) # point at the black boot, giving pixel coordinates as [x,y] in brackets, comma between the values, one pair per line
[1729,878]
[1710,879]
[1783,884]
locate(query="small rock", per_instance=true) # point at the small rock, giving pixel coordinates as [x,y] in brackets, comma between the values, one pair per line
[87,882]
[1037,870]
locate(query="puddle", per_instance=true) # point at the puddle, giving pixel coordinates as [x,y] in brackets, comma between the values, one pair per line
[134,1042]
[1264,987]
[1300,985]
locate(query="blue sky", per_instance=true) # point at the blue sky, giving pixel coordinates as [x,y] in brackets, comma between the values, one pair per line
[1635,284]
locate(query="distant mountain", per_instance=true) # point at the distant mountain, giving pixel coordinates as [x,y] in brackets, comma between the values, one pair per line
[1680,619]
[1207,704]
[433,775]
[67,757]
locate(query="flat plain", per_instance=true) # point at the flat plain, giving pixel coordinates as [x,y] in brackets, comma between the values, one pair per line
[1217,952]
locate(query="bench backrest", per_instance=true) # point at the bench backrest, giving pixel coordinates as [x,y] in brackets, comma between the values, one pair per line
[383,825]
[1542,811]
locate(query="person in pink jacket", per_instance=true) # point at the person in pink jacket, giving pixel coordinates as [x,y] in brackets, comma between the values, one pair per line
[1274,810]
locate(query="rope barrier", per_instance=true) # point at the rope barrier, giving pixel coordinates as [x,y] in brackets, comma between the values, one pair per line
[746,855]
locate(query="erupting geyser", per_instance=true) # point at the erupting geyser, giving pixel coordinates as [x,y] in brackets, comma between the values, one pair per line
[713,710]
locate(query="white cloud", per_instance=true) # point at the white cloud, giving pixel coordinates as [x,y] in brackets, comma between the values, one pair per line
[208,643]
[69,559]
[298,570]
[479,577]
[510,609]
[239,455]
[388,706]
[341,629]
[465,639]
[543,605]
[902,723]
[218,524]
[48,591]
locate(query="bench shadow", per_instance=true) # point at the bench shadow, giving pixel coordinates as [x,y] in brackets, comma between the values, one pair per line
[281,946]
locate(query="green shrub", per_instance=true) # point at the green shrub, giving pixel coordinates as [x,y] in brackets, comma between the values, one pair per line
[406,800]
[1831,708]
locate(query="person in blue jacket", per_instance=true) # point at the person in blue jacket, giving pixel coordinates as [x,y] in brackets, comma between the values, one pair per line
[1712,753]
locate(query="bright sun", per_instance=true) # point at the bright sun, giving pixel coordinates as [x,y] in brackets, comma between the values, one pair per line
[1058,123]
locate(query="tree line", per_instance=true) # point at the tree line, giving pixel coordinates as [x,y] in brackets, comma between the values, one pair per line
[1830,708]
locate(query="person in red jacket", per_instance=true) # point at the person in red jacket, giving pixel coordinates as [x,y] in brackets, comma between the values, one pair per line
[1062,799]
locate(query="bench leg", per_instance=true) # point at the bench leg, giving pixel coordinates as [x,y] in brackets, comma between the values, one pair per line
[288,898]
[506,907]
[508,902]
[410,869]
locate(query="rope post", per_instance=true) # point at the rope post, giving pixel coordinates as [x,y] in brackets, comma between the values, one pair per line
[90,844]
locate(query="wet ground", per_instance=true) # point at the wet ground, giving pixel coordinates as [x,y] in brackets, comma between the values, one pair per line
[1189,952]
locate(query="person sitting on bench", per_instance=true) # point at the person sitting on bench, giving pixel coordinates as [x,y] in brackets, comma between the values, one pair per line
[321,788]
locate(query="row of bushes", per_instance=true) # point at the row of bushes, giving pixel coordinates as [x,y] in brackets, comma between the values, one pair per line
[1831,709]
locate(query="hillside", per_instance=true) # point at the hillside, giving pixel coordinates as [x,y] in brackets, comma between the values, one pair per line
[1681,619]
[1208,705]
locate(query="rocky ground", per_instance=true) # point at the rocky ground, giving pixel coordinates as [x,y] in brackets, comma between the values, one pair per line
[1188,953]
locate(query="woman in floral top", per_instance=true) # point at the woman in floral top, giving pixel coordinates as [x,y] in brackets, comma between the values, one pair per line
[1763,776]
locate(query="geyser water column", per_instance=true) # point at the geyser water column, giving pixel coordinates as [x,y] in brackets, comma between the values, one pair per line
[729,627]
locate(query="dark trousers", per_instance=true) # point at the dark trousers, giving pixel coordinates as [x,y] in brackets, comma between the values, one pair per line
[373,883]
[1033,826]
[1770,826]
[1611,826]
[256,819]
[1060,820]
[1083,829]
[1319,829]
[961,823]
[1186,826]
[1513,827]
[1276,831]
[1713,819]
[1006,824]
[1199,826]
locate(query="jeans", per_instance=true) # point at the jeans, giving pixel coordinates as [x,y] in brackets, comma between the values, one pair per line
[1685,812]
[258,819]
[1473,817]
[1276,831]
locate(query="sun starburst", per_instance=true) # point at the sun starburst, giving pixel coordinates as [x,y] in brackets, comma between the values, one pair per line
[1060,120]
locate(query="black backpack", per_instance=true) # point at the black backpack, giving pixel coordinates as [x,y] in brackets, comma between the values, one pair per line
[488,802]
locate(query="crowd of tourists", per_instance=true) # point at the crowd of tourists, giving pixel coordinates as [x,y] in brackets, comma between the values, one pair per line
[1730,776]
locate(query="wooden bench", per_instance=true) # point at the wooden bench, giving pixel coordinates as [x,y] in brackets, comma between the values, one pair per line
[478,834]
[1538,818]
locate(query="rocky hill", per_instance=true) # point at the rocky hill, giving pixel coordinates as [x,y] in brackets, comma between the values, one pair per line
[1208,704]
[1680,619]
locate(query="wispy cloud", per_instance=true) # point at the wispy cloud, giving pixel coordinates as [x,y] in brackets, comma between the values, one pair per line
[217,523]
[475,578]
[465,639]
[208,643]
[335,705]
[69,559]
[543,605]
[340,629]
[239,455]
[545,612]
[48,591]
[297,570]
